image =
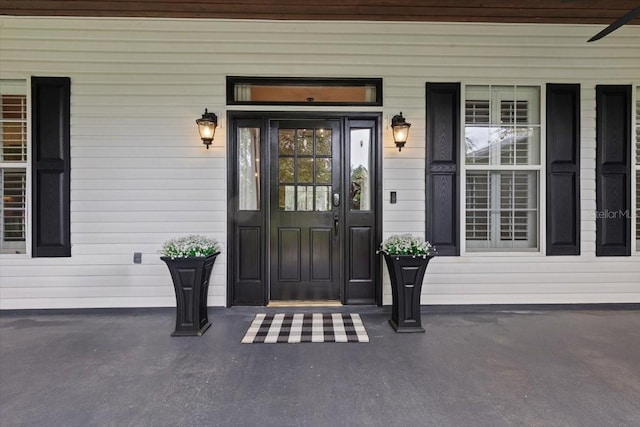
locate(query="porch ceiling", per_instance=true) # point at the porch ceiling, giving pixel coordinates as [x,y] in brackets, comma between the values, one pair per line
[524,11]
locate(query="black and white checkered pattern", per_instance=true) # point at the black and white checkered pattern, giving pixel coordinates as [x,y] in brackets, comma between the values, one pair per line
[306,327]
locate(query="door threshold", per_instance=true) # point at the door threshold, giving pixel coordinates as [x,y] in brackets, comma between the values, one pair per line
[304,303]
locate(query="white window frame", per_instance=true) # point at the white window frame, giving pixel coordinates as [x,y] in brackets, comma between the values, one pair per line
[539,168]
[26,81]
[635,155]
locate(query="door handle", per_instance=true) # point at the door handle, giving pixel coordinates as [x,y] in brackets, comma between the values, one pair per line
[336,222]
[336,200]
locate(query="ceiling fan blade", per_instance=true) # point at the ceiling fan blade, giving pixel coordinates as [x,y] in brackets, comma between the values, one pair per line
[617,24]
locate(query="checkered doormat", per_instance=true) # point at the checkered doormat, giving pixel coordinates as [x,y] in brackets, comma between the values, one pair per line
[306,327]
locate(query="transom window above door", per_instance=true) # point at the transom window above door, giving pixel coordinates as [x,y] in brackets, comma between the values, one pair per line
[304,91]
[304,169]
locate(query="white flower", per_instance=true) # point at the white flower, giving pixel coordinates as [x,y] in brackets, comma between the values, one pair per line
[193,245]
[406,244]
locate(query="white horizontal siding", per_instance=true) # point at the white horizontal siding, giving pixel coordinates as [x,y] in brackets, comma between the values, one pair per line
[140,175]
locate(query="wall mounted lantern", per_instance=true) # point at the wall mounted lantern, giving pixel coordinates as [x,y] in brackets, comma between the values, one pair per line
[400,130]
[207,127]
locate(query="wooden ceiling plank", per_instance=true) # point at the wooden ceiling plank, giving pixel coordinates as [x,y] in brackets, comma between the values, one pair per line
[358,10]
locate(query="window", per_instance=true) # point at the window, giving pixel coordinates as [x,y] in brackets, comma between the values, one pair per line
[637,215]
[249,168]
[359,176]
[303,91]
[502,167]
[13,166]
[305,169]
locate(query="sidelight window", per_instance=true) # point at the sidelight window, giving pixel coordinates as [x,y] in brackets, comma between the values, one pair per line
[249,169]
[359,173]
[502,165]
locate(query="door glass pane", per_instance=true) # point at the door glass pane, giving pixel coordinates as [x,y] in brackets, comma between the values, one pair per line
[323,198]
[285,170]
[305,198]
[323,171]
[305,171]
[360,179]
[305,142]
[249,169]
[323,142]
[287,198]
[286,142]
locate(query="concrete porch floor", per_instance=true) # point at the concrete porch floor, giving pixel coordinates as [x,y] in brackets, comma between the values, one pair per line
[507,368]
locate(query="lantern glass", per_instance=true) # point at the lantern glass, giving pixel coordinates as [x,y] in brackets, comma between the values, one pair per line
[400,133]
[207,130]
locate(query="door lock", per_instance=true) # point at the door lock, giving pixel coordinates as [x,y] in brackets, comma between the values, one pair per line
[336,200]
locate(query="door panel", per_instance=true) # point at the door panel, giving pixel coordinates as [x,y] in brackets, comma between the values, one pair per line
[305,223]
[289,254]
[321,254]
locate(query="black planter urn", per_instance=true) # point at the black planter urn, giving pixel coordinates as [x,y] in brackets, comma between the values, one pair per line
[191,284]
[406,273]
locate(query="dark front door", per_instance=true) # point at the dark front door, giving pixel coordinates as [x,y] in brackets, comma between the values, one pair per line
[306,209]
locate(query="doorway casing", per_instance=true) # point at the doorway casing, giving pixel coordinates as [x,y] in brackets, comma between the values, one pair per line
[250,241]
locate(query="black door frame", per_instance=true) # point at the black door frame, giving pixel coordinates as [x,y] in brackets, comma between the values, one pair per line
[256,290]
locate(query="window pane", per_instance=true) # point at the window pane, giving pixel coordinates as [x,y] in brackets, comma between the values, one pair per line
[13,162]
[478,142]
[323,171]
[287,198]
[249,169]
[305,142]
[502,125]
[477,111]
[514,112]
[305,198]
[360,179]
[305,171]
[13,133]
[478,202]
[323,198]
[502,209]
[518,208]
[14,186]
[515,105]
[286,142]
[323,142]
[519,146]
[285,170]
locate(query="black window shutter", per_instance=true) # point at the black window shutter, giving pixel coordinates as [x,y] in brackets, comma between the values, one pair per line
[443,169]
[51,166]
[613,170]
[563,169]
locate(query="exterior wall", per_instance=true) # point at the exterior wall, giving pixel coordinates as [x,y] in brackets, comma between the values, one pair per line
[140,174]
